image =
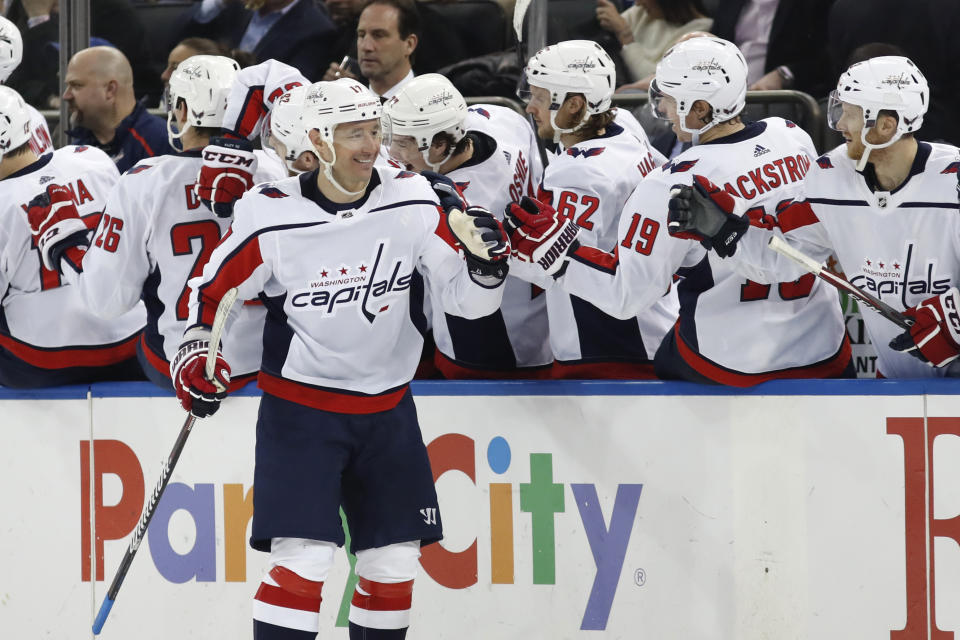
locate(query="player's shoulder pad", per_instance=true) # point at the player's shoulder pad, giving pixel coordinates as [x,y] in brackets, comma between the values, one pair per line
[84,153]
[408,185]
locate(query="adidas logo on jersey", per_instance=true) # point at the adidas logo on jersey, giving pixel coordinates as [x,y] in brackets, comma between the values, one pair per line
[759,150]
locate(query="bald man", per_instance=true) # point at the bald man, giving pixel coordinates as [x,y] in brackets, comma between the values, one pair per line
[104,112]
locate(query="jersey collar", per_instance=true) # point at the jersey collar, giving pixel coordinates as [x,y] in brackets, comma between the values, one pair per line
[310,190]
[750,130]
[869,173]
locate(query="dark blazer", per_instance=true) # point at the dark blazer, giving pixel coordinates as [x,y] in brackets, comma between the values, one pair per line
[302,38]
[798,39]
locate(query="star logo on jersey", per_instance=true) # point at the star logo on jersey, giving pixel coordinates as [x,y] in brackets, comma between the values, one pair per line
[680,167]
[953,167]
[480,111]
[824,162]
[273,192]
[368,287]
[759,150]
[585,153]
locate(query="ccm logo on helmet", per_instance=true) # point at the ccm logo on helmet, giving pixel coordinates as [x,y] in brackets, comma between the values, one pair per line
[227,158]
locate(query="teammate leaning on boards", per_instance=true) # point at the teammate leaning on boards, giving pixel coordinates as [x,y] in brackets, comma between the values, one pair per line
[491,155]
[155,234]
[731,330]
[571,87]
[47,335]
[333,252]
[886,205]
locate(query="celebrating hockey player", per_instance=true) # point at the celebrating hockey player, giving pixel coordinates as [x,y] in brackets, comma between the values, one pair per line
[731,330]
[155,234]
[11,55]
[332,254]
[571,87]
[884,203]
[490,154]
[47,335]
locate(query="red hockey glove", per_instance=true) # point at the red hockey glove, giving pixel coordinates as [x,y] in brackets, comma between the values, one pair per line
[705,212]
[484,243]
[55,224]
[539,235]
[198,394]
[935,335]
[226,174]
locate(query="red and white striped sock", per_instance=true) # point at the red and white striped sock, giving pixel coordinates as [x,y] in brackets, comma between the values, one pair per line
[289,601]
[381,606]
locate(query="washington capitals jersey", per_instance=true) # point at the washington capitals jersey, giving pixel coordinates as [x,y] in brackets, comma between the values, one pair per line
[589,183]
[43,319]
[155,235]
[339,285]
[40,141]
[517,335]
[731,330]
[901,246]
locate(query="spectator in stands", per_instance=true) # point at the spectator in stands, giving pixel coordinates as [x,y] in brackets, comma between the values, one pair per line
[343,49]
[647,29]
[926,30]
[104,112]
[37,80]
[387,36]
[295,32]
[202,46]
[784,42]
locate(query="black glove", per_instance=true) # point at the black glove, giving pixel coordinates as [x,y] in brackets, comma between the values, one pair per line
[451,197]
[704,212]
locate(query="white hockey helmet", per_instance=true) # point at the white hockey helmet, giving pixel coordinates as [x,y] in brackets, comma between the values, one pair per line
[573,66]
[328,104]
[886,83]
[704,68]
[203,82]
[284,123]
[14,120]
[11,48]
[427,105]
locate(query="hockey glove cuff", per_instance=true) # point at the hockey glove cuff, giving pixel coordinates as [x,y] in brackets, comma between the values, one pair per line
[539,235]
[56,225]
[226,174]
[706,213]
[484,243]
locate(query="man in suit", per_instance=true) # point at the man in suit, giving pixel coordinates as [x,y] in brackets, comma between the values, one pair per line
[295,32]
[783,41]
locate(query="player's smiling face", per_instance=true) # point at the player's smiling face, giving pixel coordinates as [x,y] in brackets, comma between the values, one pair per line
[357,145]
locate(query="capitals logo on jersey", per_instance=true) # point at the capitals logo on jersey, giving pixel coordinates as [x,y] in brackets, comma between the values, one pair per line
[367,286]
[893,278]
[680,167]
[273,192]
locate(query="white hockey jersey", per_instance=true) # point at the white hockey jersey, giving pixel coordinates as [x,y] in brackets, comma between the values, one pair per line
[155,235]
[589,183]
[43,320]
[40,140]
[517,335]
[340,287]
[901,246]
[731,330]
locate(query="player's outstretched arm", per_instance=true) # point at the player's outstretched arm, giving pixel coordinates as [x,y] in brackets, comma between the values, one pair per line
[934,337]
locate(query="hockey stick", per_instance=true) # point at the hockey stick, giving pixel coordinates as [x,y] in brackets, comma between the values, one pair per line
[811,265]
[223,311]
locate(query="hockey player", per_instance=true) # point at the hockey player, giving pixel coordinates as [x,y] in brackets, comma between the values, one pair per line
[884,204]
[333,253]
[47,335]
[571,87]
[491,155]
[731,330]
[155,234]
[11,55]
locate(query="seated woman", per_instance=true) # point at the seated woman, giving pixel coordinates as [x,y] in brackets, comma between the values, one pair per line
[647,29]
